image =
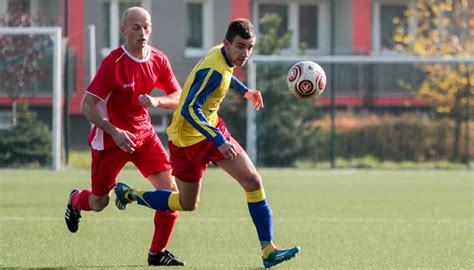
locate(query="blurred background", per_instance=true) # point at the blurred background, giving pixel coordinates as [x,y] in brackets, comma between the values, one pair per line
[385,105]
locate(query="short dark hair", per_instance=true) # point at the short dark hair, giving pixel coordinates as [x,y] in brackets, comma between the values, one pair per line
[240,27]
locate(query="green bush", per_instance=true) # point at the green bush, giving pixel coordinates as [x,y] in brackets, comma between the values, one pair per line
[26,144]
[369,162]
[410,137]
[397,140]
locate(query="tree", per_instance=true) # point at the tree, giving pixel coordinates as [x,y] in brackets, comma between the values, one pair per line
[20,56]
[270,40]
[27,143]
[281,123]
[442,28]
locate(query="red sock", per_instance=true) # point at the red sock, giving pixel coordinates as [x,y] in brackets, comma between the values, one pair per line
[164,225]
[80,200]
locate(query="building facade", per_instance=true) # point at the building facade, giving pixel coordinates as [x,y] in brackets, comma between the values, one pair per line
[185,29]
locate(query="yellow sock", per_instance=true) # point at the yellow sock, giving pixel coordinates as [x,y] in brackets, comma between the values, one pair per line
[255,196]
[267,251]
[173,202]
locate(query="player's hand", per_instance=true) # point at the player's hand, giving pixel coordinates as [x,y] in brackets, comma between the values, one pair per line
[147,101]
[124,140]
[227,149]
[256,97]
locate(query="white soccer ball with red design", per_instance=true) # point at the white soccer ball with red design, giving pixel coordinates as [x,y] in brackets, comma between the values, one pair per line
[306,79]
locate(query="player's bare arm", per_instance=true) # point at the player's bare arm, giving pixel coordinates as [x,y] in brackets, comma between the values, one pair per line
[165,102]
[256,97]
[123,138]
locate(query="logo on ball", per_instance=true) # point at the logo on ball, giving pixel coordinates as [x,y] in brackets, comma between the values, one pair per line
[305,88]
[294,73]
[321,81]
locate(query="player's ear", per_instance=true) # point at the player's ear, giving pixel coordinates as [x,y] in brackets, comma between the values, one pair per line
[227,44]
[122,29]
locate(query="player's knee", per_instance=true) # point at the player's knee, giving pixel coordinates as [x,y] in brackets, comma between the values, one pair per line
[99,203]
[253,182]
[190,206]
[256,178]
[163,180]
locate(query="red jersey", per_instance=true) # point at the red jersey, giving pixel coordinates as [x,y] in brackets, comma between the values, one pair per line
[121,78]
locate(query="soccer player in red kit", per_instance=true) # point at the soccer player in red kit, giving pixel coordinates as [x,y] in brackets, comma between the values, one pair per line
[116,103]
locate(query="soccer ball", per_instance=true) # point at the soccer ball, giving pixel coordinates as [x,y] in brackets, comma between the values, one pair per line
[306,79]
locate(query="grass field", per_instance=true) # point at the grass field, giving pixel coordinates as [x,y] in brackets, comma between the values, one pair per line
[341,219]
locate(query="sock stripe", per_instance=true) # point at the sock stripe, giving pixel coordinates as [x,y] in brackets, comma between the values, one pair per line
[255,196]
[173,202]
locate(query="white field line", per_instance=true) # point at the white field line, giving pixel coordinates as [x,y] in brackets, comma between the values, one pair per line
[217,219]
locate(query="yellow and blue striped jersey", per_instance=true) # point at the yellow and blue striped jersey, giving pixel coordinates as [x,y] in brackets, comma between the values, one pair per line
[196,116]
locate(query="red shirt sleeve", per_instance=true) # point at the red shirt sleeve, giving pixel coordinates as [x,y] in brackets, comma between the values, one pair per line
[167,81]
[104,80]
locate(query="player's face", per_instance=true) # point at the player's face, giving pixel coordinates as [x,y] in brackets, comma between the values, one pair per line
[239,50]
[137,30]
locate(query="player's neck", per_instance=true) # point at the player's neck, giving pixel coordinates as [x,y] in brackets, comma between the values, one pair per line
[139,53]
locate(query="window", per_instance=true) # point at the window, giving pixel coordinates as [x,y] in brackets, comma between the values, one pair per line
[15,7]
[198,27]
[112,15]
[5,120]
[3,9]
[20,5]
[194,25]
[384,12]
[303,19]
[308,22]
[387,14]
[280,10]
[106,23]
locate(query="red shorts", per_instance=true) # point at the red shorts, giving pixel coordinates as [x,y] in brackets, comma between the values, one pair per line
[189,163]
[150,157]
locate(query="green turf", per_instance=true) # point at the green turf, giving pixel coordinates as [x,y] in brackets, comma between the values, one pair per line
[341,219]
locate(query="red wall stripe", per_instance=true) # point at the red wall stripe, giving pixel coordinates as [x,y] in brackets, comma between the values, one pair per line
[387,101]
[240,9]
[31,101]
[390,101]
[472,17]
[77,32]
[361,26]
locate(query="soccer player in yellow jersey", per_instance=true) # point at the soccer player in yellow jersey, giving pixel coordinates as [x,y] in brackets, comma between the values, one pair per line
[198,136]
